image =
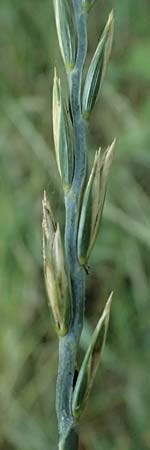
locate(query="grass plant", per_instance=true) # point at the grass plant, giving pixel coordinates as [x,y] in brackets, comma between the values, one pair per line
[117,414]
[65,263]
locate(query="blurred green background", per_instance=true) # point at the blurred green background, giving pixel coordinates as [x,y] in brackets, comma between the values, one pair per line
[117,413]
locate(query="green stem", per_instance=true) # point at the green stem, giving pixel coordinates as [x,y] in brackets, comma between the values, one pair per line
[68,345]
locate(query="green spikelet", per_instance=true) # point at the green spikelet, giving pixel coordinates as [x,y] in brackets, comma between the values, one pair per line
[93,203]
[91,362]
[97,69]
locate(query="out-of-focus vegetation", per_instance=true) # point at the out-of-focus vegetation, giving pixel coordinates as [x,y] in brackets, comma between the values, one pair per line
[117,417]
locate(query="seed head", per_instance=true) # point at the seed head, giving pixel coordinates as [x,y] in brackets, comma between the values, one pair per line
[97,68]
[56,275]
[62,136]
[91,362]
[93,203]
[65,25]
